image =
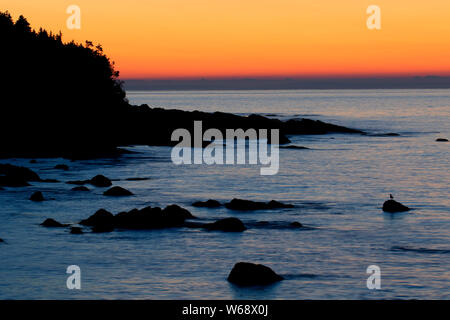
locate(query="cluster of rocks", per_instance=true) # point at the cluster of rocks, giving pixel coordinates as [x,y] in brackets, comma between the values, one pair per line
[243,205]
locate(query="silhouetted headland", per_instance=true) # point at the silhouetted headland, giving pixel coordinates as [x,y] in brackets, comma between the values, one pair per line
[66,99]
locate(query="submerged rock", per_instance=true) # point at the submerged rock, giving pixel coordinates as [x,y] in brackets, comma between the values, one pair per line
[394,206]
[137,179]
[80,188]
[250,274]
[239,204]
[227,224]
[76,230]
[97,181]
[278,205]
[117,192]
[37,196]
[14,176]
[52,223]
[296,224]
[62,167]
[207,204]
[294,147]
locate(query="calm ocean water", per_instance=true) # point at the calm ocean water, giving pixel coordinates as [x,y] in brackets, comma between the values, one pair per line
[338,187]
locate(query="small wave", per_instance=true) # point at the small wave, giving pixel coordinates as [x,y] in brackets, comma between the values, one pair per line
[421,250]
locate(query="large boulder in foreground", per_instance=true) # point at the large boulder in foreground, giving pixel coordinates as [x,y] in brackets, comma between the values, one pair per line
[239,204]
[117,192]
[227,224]
[14,176]
[250,274]
[394,206]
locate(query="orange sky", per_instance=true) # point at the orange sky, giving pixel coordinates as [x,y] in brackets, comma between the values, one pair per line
[221,38]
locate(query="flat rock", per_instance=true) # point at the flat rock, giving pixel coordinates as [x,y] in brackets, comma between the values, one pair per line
[227,224]
[117,192]
[239,204]
[81,188]
[250,274]
[207,204]
[394,206]
[441,140]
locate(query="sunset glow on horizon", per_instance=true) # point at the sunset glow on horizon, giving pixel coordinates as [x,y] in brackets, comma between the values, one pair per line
[284,38]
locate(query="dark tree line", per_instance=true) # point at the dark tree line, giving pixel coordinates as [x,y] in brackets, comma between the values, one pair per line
[54,95]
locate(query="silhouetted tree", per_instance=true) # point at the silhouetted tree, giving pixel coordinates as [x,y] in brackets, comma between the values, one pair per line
[55,95]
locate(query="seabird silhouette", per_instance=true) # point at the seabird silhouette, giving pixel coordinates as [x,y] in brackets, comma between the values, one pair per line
[391,196]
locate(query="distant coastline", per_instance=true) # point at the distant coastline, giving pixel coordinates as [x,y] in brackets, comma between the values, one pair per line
[418,82]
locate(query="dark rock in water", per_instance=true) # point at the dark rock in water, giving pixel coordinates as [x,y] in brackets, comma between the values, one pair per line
[97,181]
[101,218]
[176,212]
[13,176]
[294,147]
[250,274]
[50,180]
[277,205]
[146,218]
[1,189]
[296,224]
[227,224]
[137,179]
[37,196]
[52,223]
[80,188]
[62,167]
[394,206]
[100,181]
[103,228]
[153,218]
[441,140]
[78,182]
[33,161]
[76,230]
[239,204]
[1,240]
[117,192]
[207,204]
